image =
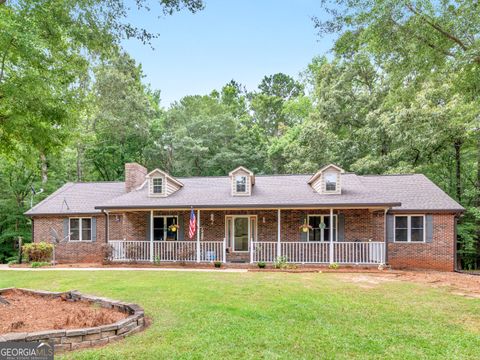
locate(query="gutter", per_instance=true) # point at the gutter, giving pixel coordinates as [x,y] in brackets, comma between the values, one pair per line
[252,206]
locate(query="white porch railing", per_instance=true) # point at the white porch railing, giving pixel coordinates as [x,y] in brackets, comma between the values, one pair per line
[359,252]
[130,250]
[182,251]
[309,252]
[174,251]
[263,251]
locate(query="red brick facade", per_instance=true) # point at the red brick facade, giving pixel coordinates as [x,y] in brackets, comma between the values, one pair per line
[359,225]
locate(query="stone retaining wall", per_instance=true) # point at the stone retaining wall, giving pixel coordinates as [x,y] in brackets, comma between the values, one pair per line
[72,339]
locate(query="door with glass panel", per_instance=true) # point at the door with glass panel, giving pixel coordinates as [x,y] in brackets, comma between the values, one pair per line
[162,229]
[239,231]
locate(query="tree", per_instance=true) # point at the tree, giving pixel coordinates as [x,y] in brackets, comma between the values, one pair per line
[268,103]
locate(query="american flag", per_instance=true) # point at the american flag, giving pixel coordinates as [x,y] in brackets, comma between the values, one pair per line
[193,225]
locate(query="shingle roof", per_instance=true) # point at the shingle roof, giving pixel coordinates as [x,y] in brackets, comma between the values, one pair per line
[402,192]
[78,198]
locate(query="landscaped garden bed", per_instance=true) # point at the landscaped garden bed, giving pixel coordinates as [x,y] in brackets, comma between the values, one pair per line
[69,319]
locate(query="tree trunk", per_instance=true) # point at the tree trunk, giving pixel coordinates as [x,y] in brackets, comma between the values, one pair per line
[79,162]
[458,174]
[44,168]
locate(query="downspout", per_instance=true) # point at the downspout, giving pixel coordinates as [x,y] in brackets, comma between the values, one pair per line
[455,256]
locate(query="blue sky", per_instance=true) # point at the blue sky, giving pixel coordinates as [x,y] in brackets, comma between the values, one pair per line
[241,40]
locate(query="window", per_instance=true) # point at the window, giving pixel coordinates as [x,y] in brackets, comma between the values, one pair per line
[80,229]
[321,227]
[409,228]
[330,181]
[157,185]
[161,229]
[241,184]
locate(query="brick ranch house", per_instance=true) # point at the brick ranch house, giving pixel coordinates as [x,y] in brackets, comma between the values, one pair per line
[332,216]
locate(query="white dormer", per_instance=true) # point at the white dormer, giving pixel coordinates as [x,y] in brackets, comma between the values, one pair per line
[327,180]
[161,184]
[242,181]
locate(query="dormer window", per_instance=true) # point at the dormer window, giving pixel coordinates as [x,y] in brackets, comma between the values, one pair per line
[331,181]
[327,180]
[161,184]
[157,185]
[242,181]
[241,184]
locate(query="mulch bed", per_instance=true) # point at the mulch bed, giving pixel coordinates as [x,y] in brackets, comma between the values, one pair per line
[27,313]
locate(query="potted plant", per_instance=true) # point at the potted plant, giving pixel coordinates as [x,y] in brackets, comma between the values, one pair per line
[305,227]
[217,264]
[261,264]
[173,228]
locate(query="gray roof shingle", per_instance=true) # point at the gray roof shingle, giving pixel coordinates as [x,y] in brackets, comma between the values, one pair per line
[402,192]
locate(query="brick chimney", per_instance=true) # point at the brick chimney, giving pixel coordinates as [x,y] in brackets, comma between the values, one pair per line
[134,176]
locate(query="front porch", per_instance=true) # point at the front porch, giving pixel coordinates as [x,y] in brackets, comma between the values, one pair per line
[343,236]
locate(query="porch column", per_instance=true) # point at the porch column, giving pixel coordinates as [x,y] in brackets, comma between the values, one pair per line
[198,235]
[279,250]
[331,237]
[151,236]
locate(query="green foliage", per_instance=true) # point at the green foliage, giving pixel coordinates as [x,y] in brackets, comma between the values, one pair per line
[217,264]
[334,266]
[37,264]
[262,264]
[37,252]
[280,262]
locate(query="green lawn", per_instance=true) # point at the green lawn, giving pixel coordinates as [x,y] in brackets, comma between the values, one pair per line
[275,315]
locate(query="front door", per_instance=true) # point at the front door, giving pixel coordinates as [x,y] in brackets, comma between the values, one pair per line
[241,233]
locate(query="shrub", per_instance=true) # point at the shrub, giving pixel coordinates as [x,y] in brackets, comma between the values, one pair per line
[261,264]
[280,262]
[37,264]
[217,264]
[333,266]
[37,252]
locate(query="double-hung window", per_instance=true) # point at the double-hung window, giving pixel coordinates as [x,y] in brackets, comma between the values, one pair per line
[409,228]
[162,228]
[157,186]
[331,181]
[241,184]
[80,229]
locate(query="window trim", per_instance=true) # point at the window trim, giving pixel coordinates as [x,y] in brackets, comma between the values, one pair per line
[409,229]
[153,185]
[322,233]
[236,184]
[336,181]
[165,229]
[80,233]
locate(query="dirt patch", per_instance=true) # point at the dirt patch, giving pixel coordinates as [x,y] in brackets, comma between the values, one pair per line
[28,312]
[459,284]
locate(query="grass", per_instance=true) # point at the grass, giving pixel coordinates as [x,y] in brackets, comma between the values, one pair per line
[275,315]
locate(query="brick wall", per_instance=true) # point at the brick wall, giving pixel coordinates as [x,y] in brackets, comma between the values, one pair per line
[360,225]
[438,255]
[71,252]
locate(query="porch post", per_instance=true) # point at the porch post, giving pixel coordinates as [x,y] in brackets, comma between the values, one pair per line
[198,235]
[151,236]
[331,236]
[279,249]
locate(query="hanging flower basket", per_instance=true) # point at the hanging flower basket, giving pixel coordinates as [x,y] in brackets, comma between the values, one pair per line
[173,228]
[305,227]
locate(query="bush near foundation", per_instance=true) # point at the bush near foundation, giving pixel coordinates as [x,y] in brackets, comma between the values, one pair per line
[37,252]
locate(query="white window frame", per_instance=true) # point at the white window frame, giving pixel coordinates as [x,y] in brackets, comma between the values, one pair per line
[165,229]
[80,234]
[162,185]
[336,181]
[236,184]
[322,232]
[409,229]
